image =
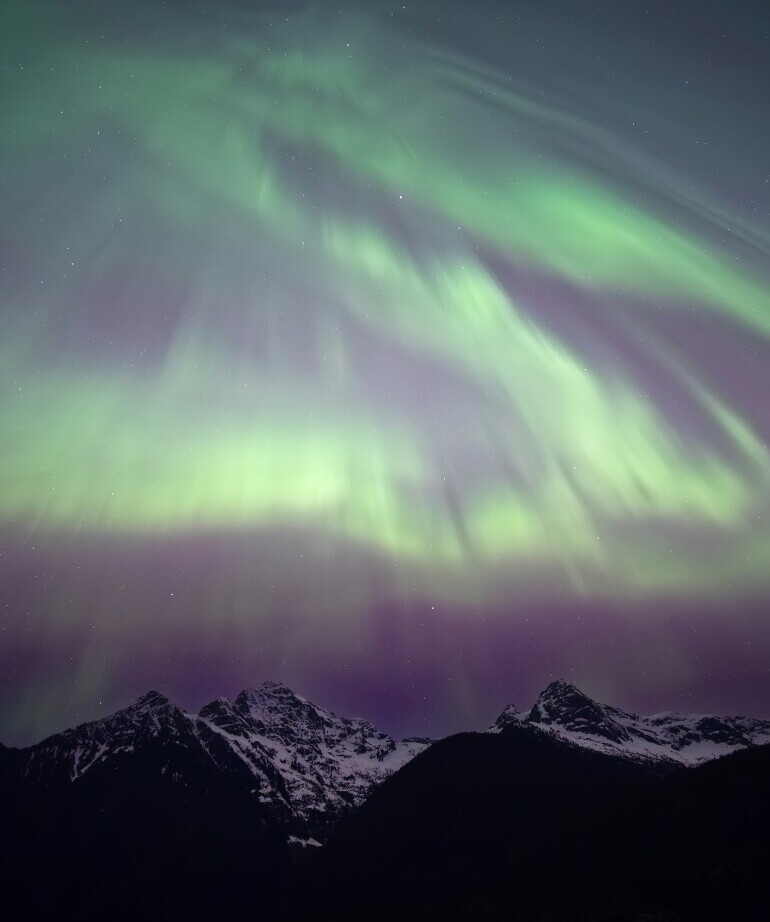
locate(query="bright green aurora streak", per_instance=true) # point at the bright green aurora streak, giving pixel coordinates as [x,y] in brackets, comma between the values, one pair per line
[310,275]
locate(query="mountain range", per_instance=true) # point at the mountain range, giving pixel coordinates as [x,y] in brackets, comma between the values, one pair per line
[154,811]
[309,767]
[305,765]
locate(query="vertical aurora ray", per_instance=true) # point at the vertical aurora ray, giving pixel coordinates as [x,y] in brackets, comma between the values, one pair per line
[362,284]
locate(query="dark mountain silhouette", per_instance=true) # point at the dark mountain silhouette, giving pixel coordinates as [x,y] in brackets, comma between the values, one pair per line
[156,813]
[524,825]
[153,834]
[305,765]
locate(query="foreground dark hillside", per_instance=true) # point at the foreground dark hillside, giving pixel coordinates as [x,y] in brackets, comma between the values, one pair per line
[521,826]
[134,841]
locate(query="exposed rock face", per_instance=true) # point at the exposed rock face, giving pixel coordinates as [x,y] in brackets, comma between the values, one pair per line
[565,711]
[305,764]
[307,767]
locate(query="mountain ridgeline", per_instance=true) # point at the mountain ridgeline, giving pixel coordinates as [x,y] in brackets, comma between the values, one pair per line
[304,765]
[570,810]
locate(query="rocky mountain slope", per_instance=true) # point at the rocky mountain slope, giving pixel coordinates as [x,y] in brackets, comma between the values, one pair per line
[564,711]
[305,765]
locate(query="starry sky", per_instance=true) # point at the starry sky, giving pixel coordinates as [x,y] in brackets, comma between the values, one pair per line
[409,354]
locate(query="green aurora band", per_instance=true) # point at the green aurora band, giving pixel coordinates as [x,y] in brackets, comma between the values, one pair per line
[328,248]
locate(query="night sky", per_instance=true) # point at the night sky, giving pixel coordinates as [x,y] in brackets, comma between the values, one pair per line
[412,355]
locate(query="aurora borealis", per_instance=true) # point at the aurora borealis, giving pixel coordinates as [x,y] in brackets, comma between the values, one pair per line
[408,354]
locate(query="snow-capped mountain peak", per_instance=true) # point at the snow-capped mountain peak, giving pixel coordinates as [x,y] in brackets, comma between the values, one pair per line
[565,711]
[150,699]
[563,705]
[276,711]
[325,763]
[509,715]
[308,766]
[305,764]
[152,718]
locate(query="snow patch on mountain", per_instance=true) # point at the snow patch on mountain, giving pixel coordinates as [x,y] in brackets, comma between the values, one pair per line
[306,764]
[566,712]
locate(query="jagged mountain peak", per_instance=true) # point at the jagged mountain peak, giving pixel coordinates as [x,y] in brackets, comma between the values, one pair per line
[220,701]
[305,764]
[281,689]
[223,714]
[508,716]
[152,720]
[273,709]
[284,719]
[314,763]
[151,710]
[562,709]
[560,689]
[272,689]
[558,701]
[565,705]
[269,695]
[151,700]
